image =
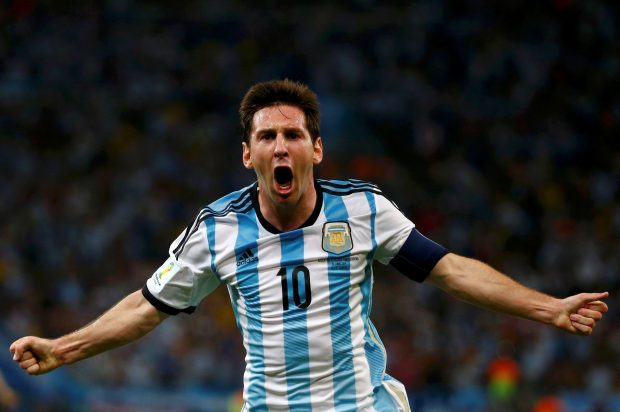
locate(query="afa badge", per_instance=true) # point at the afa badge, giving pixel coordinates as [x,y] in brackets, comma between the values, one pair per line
[337,237]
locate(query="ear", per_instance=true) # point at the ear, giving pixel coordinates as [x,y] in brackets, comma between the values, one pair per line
[247,159]
[317,157]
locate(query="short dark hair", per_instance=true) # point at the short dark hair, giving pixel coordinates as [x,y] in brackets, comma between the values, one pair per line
[276,92]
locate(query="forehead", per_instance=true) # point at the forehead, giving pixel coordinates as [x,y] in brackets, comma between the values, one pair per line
[279,116]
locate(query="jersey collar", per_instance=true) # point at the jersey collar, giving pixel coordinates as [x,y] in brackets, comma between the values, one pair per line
[309,222]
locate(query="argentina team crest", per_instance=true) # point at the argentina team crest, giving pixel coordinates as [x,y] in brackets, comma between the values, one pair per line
[337,237]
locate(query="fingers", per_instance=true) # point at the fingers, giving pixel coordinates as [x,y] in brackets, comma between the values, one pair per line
[593,314]
[29,363]
[18,347]
[24,354]
[34,369]
[587,309]
[598,306]
[581,328]
[582,320]
[582,324]
[34,355]
[585,320]
[27,360]
[21,346]
[592,297]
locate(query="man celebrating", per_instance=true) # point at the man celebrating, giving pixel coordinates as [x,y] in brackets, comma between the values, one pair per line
[296,255]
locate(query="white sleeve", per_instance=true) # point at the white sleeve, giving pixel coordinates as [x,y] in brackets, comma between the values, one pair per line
[391,229]
[186,277]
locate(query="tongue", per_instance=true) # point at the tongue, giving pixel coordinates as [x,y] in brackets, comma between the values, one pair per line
[284,186]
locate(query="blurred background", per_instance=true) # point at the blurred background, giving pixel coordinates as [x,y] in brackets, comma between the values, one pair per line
[495,127]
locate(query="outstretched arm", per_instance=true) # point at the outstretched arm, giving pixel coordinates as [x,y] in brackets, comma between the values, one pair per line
[129,320]
[478,283]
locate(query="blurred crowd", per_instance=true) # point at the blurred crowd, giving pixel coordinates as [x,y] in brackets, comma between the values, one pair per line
[494,127]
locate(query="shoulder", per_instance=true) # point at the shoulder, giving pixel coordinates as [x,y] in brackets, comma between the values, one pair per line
[354,187]
[225,208]
[359,196]
[347,186]
[239,201]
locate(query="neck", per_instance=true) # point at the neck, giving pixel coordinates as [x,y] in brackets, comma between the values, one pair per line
[288,216]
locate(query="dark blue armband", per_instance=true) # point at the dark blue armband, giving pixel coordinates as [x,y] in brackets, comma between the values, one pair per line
[418,256]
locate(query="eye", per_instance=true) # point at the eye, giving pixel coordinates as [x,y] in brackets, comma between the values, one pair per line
[266,136]
[293,135]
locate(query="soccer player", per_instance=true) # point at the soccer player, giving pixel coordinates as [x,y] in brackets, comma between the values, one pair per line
[296,255]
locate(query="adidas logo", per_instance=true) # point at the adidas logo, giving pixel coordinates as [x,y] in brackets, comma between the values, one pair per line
[246,257]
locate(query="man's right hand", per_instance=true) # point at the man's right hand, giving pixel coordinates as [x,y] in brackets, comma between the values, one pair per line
[129,320]
[34,355]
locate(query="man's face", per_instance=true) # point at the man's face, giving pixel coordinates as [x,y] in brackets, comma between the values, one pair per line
[282,153]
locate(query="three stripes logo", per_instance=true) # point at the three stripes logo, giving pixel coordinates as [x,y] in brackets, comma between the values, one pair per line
[246,257]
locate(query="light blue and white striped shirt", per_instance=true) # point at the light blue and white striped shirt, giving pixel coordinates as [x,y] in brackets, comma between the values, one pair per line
[301,298]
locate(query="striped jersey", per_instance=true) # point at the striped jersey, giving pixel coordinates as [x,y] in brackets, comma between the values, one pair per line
[301,298]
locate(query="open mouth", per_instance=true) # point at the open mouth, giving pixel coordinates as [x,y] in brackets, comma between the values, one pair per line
[284,177]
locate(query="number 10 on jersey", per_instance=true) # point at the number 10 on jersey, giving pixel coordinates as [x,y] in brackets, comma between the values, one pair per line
[299,277]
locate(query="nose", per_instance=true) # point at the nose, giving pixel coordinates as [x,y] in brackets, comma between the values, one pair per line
[281,149]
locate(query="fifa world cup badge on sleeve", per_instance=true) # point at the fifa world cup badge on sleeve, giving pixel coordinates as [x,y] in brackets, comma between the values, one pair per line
[337,237]
[165,272]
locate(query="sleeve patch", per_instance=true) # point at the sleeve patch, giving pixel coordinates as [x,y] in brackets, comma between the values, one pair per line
[165,273]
